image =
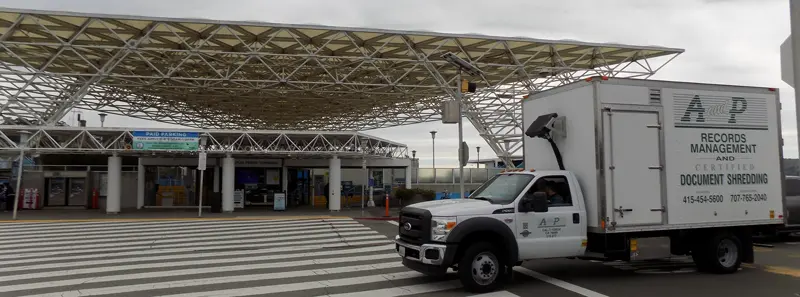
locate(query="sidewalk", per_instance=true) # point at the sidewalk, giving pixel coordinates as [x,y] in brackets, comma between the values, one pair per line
[51,215]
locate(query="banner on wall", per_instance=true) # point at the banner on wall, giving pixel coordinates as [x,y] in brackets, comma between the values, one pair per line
[165,140]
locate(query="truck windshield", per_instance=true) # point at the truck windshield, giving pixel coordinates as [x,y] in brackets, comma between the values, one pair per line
[502,188]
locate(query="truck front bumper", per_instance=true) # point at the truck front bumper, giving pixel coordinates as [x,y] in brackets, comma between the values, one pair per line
[426,258]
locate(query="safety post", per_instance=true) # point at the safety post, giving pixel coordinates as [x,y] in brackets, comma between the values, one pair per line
[387,205]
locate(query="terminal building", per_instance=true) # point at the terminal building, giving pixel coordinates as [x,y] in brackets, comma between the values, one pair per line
[273,112]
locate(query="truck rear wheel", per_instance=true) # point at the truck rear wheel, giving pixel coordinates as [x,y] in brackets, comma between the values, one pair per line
[720,254]
[481,268]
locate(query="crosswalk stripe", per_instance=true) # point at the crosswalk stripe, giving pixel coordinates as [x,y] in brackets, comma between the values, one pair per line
[246,267]
[291,287]
[403,291]
[218,244]
[167,231]
[497,294]
[145,236]
[105,269]
[316,244]
[227,238]
[190,256]
[94,226]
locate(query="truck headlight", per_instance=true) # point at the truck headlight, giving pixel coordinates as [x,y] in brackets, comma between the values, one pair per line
[441,227]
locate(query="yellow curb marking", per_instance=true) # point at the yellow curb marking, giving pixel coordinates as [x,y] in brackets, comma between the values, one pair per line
[254,218]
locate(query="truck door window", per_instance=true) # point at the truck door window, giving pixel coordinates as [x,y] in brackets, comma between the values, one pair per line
[557,189]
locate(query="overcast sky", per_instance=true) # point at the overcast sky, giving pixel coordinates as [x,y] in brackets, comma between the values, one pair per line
[726,41]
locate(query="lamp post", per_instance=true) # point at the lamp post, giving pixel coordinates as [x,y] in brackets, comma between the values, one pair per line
[23,143]
[201,165]
[433,151]
[479,156]
[463,66]
[102,119]
[415,164]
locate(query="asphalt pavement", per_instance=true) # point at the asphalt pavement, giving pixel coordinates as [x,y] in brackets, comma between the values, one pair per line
[340,256]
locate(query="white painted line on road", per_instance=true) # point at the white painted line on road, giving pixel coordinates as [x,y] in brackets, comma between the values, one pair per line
[98,270]
[247,264]
[341,282]
[211,245]
[294,248]
[557,282]
[404,290]
[219,280]
[317,243]
[393,223]
[216,239]
[222,234]
[84,234]
[42,228]
[497,294]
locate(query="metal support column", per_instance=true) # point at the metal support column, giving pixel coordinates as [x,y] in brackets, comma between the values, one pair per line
[228,174]
[140,185]
[114,192]
[335,184]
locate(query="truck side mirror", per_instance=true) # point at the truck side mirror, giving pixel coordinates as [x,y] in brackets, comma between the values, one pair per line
[540,203]
[536,202]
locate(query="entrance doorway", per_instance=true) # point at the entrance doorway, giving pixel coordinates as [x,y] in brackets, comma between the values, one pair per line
[299,186]
[65,191]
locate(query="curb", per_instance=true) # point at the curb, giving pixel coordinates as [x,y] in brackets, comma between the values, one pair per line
[378,218]
[121,220]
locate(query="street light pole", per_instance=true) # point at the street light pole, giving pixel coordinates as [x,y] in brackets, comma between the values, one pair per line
[23,142]
[433,158]
[478,164]
[415,164]
[460,138]
[201,165]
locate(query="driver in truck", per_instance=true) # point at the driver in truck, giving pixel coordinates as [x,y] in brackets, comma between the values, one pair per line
[552,196]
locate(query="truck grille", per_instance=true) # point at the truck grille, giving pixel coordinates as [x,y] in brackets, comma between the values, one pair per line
[420,221]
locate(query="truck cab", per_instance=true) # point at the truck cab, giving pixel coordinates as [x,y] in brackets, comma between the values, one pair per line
[517,215]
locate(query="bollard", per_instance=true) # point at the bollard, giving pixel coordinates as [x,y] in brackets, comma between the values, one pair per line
[387,205]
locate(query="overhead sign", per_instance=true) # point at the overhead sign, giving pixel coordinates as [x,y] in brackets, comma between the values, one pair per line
[464,157]
[787,62]
[169,141]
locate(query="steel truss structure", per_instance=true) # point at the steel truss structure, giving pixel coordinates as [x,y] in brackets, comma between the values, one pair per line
[287,144]
[251,75]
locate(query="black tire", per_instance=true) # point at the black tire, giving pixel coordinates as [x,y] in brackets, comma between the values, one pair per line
[492,270]
[720,254]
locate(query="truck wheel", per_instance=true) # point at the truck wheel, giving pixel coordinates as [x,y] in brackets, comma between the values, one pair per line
[480,269]
[721,254]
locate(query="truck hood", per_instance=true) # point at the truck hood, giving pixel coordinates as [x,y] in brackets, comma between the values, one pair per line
[457,207]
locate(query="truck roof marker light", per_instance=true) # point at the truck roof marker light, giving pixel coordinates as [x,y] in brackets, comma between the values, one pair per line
[604,77]
[588,79]
[771,89]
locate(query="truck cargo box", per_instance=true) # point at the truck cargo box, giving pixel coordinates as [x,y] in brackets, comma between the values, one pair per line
[657,155]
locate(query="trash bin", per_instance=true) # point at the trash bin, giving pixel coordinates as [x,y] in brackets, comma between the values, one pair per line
[216,202]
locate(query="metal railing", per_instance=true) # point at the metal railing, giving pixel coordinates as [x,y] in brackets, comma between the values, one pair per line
[446,176]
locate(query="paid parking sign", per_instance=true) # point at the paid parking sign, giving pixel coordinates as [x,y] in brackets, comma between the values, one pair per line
[165,141]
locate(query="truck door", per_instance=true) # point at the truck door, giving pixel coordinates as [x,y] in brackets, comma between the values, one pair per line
[560,231]
[633,168]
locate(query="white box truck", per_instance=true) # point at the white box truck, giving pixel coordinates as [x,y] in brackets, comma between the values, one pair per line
[616,169]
